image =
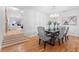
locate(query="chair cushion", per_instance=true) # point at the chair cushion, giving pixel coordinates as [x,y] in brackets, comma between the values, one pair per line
[47,38]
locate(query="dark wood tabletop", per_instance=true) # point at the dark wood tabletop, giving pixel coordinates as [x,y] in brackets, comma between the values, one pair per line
[53,34]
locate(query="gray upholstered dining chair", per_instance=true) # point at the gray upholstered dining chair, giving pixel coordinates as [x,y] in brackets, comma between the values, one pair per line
[61,34]
[65,34]
[42,36]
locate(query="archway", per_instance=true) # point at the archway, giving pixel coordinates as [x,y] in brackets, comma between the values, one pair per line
[13,25]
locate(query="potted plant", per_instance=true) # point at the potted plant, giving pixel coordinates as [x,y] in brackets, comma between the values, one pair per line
[57,25]
[49,23]
[54,25]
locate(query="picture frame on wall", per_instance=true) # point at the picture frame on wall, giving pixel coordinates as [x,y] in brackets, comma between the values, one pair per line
[70,20]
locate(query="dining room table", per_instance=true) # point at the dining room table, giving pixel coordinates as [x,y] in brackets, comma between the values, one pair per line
[53,34]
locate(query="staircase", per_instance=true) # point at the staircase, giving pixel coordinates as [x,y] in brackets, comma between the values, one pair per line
[13,39]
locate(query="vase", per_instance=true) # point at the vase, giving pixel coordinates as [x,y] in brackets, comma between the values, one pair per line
[54,28]
[49,28]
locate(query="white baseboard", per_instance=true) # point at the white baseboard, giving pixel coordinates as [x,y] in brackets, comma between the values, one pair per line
[74,35]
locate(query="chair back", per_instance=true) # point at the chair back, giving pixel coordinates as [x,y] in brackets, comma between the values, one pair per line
[66,31]
[61,33]
[41,32]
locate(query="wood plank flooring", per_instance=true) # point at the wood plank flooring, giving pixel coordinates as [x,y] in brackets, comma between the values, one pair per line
[13,37]
[14,31]
[31,45]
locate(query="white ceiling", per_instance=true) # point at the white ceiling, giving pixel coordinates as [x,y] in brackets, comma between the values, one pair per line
[49,9]
[13,12]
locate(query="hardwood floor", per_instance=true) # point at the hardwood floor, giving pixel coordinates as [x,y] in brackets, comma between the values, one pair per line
[31,45]
[13,32]
[13,37]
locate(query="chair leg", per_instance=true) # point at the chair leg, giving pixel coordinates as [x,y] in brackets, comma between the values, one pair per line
[67,38]
[59,41]
[39,41]
[53,42]
[44,45]
[62,40]
[50,41]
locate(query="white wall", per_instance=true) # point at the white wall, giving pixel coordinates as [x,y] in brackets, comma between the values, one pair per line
[2,14]
[74,29]
[33,19]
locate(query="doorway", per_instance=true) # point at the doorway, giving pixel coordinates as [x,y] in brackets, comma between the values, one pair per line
[13,26]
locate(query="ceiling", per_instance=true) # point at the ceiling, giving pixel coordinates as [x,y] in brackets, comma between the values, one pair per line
[49,9]
[13,12]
